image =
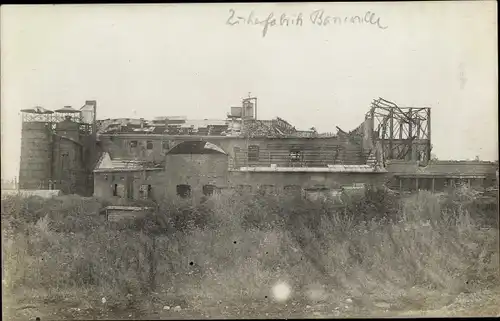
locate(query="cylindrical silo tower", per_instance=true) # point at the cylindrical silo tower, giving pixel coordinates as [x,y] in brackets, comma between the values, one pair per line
[36,149]
[68,168]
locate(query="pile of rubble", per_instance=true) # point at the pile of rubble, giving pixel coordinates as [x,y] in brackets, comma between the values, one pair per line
[258,128]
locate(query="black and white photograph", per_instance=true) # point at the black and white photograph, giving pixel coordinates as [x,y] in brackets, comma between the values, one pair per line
[249,160]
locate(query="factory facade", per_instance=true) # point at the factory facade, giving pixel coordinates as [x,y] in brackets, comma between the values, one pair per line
[177,157]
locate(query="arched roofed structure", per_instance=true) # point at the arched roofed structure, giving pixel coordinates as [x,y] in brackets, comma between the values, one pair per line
[196,147]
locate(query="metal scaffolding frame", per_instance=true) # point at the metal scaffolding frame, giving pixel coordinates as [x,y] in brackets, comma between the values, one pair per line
[37,114]
[403,132]
[67,112]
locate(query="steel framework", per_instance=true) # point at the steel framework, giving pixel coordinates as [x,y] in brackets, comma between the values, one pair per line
[37,114]
[403,132]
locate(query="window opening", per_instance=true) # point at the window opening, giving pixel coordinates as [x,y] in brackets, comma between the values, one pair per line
[253,153]
[296,155]
[183,190]
[209,190]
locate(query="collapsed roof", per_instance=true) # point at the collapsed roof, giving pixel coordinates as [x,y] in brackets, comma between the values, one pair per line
[37,110]
[108,164]
[205,127]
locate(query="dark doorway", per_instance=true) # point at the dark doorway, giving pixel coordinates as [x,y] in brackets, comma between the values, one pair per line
[183,190]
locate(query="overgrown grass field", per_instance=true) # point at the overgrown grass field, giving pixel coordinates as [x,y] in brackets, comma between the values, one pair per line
[235,248]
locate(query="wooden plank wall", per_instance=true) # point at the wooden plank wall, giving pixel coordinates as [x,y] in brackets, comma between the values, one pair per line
[312,156]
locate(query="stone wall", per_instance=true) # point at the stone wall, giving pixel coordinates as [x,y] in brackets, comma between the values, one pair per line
[195,171]
[200,170]
[129,183]
[303,179]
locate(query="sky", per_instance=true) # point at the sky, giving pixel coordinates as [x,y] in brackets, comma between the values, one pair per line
[190,59]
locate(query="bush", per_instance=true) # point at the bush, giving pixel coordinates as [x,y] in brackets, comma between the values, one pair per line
[66,213]
[233,246]
[484,209]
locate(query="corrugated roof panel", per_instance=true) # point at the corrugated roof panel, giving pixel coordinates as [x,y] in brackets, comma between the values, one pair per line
[129,164]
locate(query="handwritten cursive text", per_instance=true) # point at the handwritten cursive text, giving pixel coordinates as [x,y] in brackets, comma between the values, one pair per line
[270,21]
[319,18]
[316,18]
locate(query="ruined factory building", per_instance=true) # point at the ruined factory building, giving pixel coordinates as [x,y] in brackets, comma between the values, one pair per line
[70,150]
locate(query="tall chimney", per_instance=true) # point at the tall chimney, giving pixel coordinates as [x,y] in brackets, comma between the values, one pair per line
[142,123]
